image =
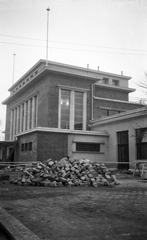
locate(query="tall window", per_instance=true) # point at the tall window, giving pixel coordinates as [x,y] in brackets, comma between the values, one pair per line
[65,109]
[78,116]
[35,112]
[141,143]
[72,110]
[30,125]
[24,117]
[22,123]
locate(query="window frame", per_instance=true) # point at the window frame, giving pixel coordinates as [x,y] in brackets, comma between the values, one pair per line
[72,106]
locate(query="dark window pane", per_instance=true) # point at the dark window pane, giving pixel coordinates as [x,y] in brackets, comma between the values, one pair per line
[88,147]
[26,146]
[22,147]
[30,146]
[122,137]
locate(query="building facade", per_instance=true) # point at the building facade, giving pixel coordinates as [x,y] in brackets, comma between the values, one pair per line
[127,136]
[50,108]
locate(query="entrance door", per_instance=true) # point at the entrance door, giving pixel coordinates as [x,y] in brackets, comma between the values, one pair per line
[123,150]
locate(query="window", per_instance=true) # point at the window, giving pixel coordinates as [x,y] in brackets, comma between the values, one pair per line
[24,116]
[72,109]
[65,109]
[22,147]
[108,112]
[141,143]
[22,123]
[78,116]
[30,120]
[26,147]
[30,146]
[115,82]
[87,147]
[105,80]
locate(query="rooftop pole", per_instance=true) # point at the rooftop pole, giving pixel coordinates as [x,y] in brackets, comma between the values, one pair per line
[13,67]
[47,36]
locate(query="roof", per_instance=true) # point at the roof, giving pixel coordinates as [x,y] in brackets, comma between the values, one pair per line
[55,66]
[40,69]
[120,116]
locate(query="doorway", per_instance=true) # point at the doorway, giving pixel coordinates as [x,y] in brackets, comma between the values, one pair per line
[123,150]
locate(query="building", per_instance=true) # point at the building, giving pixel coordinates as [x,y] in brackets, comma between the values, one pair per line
[127,136]
[50,108]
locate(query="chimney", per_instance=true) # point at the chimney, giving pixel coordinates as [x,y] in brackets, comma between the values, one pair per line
[121,72]
[87,65]
[98,68]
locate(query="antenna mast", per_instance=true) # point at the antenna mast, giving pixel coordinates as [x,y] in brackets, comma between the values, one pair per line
[13,67]
[47,36]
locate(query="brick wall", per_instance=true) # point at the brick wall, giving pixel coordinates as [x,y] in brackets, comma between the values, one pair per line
[27,155]
[110,93]
[48,98]
[115,105]
[52,145]
[53,95]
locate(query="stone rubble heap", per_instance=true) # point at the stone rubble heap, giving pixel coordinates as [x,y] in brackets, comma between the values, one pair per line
[66,172]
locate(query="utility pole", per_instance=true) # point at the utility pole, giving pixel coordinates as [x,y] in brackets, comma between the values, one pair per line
[13,67]
[47,36]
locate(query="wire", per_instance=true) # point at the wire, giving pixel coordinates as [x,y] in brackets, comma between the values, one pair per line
[78,44]
[82,50]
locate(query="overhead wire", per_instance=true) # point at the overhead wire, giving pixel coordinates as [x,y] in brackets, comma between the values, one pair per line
[78,44]
[74,49]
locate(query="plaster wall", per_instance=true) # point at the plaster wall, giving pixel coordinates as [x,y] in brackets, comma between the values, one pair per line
[102,156]
[117,126]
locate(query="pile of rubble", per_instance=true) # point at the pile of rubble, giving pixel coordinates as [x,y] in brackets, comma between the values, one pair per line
[66,172]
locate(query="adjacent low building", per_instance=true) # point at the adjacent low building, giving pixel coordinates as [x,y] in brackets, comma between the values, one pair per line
[52,108]
[127,136]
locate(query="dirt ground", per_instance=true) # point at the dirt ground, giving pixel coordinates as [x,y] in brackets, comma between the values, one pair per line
[80,213]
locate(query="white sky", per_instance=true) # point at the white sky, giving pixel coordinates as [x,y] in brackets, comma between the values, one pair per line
[111,34]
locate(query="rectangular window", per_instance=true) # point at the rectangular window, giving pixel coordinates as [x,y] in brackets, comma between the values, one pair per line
[35,112]
[87,147]
[115,82]
[105,80]
[30,146]
[22,147]
[19,119]
[78,115]
[12,123]
[26,116]
[65,109]
[22,123]
[30,125]
[72,109]
[123,138]
[141,143]
[15,112]
[26,146]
